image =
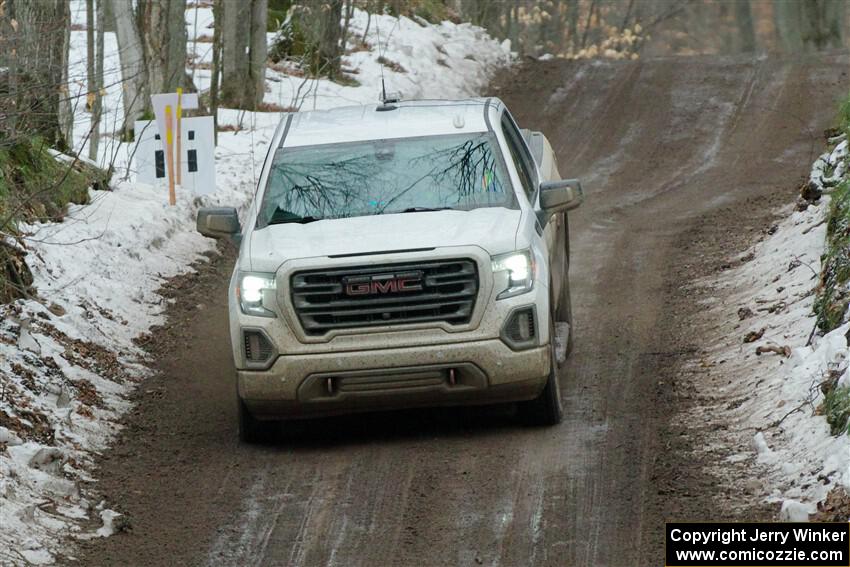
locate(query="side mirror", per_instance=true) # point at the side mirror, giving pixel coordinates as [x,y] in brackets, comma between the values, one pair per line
[218,222]
[559,196]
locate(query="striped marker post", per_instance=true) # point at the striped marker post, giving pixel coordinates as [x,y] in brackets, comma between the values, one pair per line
[169,154]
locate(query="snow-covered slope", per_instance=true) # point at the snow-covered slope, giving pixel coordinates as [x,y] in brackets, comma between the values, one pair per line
[768,402]
[67,357]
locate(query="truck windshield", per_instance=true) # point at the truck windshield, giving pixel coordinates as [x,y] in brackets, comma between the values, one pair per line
[458,171]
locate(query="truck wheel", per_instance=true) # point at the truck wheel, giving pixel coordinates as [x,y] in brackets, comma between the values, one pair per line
[250,428]
[565,312]
[547,408]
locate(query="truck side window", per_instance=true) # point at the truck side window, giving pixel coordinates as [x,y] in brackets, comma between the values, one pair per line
[519,155]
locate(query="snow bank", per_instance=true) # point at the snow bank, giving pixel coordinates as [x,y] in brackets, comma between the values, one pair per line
[769,402]
[67,357]
[444,60]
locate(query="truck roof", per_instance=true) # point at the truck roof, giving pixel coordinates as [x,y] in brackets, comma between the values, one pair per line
[366,122]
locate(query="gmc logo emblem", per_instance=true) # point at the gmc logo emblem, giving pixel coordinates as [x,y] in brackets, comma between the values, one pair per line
[383,283]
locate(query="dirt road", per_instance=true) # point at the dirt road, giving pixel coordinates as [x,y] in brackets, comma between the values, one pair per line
[682,161]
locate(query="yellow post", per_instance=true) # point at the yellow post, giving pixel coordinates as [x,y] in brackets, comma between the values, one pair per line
[178,155]
[169,155]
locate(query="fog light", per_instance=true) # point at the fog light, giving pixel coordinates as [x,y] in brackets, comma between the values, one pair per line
[258,348]
[520,330]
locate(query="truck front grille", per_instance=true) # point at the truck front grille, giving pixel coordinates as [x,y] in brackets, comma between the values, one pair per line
[388,294]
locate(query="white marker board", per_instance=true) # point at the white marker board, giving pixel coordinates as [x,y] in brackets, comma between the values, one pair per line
[197,162]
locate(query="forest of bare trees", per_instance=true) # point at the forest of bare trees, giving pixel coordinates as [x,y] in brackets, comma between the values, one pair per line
[312,37]
[661,27]
[153,43]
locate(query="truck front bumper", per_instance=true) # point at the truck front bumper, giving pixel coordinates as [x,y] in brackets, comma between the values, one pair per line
[465,373]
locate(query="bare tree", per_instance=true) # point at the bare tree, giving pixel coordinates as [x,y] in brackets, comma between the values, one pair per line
[572,22]
[329,51]
[164,35]
[94,70]
[97,113]
[244,52]
[349,11]
[216,64]
[89,53]
[66,112]
[41,68]
[822,23]
[9,77]
[258,54]
[744,22]
[131,53]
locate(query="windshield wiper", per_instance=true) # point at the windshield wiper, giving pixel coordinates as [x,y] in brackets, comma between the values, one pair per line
[426,209]
[293,219]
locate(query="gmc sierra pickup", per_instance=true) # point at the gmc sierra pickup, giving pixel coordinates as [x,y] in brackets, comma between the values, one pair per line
[399,255]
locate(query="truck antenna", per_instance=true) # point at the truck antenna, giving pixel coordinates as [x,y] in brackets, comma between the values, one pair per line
[385,100]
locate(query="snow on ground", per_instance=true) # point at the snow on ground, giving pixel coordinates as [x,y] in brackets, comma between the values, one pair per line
[768,403]
[67,357]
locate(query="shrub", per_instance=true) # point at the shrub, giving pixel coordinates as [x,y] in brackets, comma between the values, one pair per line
[844,116]
[836,407]
[34,186]
[832,300]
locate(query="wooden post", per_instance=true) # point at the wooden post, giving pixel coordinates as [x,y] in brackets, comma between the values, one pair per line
[178,154]
[169,155]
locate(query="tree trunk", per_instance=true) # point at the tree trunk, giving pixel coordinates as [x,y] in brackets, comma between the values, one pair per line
[244,53]
[66,112]
[236,20]
[587,23]
[822,24]
[259,54]
[572,21]
[810,25]
[788,18]
[349,11]
[42,69]
[9,62]
[135,92]
[628,15]
[329,51]
[89,54]
[744,22]
[165,38]
[216,64]
[97,104]
[368,23]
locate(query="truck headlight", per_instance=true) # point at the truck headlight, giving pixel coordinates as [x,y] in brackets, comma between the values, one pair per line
[519,268]
[252,289]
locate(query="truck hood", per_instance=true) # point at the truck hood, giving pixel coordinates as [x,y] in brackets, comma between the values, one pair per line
[493,229]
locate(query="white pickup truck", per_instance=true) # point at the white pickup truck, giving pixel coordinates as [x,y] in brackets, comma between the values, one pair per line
[400,255]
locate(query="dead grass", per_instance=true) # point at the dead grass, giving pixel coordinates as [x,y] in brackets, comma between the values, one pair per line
[359,46]
[287,69]
[87,394]
[391,65]
[273,107]
[227,128]
[835,508]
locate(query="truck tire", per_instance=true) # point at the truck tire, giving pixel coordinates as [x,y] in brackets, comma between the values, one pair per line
[564,313]
[547,408]
[250,428]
